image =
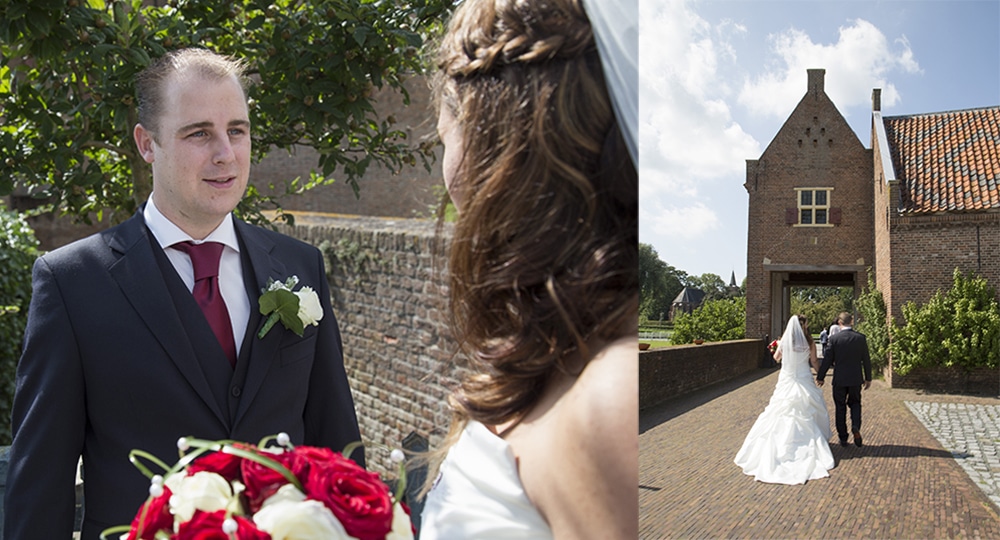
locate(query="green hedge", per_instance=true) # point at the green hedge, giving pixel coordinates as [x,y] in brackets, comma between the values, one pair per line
[18,251]
[959,328]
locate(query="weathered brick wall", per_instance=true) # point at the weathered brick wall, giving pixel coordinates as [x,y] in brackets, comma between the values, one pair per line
[673,371]
[389,295]
[815,147]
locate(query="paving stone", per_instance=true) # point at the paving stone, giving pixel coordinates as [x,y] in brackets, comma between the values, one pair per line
[904,483]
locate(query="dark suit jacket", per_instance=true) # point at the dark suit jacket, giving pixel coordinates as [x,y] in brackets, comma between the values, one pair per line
[117,356]
[847,351]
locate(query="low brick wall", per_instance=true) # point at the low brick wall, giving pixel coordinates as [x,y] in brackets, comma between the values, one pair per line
[945,380]
[672,371]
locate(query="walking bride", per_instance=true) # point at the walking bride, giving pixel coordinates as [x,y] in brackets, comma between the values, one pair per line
[788,444]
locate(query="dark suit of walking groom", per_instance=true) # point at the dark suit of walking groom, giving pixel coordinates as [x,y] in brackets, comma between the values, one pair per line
[847,352]
[118,353]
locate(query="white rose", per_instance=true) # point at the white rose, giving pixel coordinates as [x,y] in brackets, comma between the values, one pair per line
[205,491]
[310,310]
[401,529]
[286,518]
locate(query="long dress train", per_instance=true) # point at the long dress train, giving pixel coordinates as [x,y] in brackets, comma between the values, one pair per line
[788,444]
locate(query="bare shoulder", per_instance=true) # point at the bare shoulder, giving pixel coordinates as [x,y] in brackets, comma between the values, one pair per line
[591,450]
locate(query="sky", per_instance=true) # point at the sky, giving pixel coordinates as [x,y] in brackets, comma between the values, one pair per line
[718,79]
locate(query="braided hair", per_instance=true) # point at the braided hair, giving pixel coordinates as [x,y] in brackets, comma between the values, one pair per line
[544,254]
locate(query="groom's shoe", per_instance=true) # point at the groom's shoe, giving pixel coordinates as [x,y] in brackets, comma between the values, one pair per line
[857,438]
[843,442]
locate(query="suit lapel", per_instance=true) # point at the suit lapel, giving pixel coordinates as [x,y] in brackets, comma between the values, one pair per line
[262,351]
[136,273]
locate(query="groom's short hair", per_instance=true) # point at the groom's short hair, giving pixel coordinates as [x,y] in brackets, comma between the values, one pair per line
[845,318]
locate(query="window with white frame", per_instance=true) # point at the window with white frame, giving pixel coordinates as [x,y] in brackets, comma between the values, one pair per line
[814,206]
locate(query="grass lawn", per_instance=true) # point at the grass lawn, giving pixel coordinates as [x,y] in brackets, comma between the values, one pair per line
[655,343]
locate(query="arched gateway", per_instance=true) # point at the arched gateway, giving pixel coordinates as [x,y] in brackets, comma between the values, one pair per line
[811,210]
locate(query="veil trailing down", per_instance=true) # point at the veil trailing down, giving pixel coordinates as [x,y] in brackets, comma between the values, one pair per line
[788,444]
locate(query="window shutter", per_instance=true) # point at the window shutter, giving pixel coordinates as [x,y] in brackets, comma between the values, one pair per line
[791,216]
[835,216]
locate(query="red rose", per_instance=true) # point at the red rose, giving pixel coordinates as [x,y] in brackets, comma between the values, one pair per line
[153,516]
[358,498]
[208,526]
[224,464]
[262,481]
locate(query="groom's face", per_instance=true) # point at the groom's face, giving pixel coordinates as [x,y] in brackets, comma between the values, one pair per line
[201,153]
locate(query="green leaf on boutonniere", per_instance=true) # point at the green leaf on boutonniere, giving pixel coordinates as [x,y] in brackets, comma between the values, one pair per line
[280,304]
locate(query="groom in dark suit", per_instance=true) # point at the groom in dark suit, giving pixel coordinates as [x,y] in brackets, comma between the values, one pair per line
[847,351]
[128,343]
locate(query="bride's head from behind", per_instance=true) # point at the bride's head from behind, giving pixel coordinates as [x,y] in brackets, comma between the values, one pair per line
[796,336]
[543,256]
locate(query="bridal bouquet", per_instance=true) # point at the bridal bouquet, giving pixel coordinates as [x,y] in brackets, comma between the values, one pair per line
[773,346]
[235,491]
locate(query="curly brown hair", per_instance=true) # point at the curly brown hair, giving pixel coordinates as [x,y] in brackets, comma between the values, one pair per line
[544,256]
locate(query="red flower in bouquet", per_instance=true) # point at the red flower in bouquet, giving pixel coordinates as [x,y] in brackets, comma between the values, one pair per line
[212,526]
[359,499]
[236,491]
[773,346]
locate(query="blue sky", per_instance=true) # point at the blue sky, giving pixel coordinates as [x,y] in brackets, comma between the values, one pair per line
[719,78]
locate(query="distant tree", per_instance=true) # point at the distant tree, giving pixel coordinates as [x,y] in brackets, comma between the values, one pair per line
[68,106]
[659,284]
[821,305]
[714,320]
[711,284]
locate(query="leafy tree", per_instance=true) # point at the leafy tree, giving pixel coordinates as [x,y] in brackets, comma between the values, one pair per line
[67,98]
[18,251]
[659,284]
[821,305]
[711,284]
[873,323]
[958,328]
[714,320]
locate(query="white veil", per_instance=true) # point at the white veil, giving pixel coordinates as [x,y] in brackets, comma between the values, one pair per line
[616,28]
[794,338]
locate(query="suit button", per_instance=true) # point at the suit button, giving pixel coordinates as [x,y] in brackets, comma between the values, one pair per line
[236,391]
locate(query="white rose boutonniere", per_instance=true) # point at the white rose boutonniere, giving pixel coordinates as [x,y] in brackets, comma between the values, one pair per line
[295,310]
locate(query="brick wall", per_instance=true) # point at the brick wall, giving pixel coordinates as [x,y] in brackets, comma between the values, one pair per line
[815,147]
[926,250]
[673,371]
[411,193]
[389,296]
[942,380]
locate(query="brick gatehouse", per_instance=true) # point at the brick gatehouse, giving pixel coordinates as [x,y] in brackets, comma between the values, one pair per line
[923,201]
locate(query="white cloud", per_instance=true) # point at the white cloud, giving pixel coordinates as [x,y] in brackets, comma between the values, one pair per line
[679,222]
[687,133]
[859,61]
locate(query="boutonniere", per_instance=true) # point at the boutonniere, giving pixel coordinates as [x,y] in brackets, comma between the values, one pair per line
[295,309]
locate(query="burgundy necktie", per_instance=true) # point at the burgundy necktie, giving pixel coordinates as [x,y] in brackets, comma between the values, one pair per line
[205,259]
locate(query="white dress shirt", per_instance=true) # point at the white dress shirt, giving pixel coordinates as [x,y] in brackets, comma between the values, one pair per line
[230,266]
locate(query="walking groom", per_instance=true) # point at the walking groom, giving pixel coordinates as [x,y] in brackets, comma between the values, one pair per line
[847,350]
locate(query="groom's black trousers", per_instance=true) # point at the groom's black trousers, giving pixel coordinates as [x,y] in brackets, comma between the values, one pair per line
[844,397]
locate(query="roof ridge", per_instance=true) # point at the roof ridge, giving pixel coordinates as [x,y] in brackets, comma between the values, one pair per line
[942,113]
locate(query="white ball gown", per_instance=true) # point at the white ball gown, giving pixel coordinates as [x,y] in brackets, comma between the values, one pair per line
[788,444]
[478,494]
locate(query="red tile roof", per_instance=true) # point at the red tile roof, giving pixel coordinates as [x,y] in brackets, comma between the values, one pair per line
[947,162]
